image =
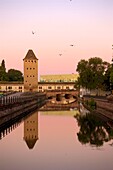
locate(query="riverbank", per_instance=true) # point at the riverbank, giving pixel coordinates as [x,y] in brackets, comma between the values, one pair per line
[103,106]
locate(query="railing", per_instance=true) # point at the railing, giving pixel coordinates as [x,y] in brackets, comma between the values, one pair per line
[8,102]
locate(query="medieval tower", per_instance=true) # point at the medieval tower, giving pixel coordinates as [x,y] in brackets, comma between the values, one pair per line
[30,72]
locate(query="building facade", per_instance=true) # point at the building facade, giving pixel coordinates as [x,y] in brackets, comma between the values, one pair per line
[30,72]
[11,86]
[42,86]
[53,86]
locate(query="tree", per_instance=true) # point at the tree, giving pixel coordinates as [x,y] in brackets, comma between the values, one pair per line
[3,74]
[3,65]
[106,84]
[91,73]
[15,75]
[111,80]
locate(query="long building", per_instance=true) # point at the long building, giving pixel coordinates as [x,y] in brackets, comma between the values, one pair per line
[42,86]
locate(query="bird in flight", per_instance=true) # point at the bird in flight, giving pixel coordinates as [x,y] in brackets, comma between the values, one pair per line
[33,32]
[71,45]
[60,54]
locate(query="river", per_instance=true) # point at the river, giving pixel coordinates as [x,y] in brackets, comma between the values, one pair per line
[57,140]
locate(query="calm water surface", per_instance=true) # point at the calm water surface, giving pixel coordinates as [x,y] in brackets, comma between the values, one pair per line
[65,140]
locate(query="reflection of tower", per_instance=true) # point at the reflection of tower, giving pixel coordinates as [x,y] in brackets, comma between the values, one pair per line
[31,130]
[30,72]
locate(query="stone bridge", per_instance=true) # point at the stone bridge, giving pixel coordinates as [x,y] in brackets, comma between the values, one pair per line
[64,99]
[62,96]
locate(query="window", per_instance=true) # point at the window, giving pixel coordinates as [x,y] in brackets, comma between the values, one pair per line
[40,87]
[9,87]
[20,87]
[49,87]
[67,87]
[40,90]
[58,87]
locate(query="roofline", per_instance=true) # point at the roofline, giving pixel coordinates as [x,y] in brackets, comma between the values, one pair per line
[18,82]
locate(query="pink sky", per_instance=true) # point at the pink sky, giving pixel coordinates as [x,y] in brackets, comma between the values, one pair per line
[88,24]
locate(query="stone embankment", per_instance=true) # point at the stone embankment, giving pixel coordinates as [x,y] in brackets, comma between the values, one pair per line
[26,105]
[103,106]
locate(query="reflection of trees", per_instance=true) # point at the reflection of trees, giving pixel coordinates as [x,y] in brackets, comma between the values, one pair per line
[93,130]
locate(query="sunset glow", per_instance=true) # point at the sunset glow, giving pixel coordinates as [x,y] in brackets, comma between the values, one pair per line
[49,27]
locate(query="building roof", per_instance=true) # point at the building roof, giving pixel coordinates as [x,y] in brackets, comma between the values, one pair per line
[59,78]
[30,55]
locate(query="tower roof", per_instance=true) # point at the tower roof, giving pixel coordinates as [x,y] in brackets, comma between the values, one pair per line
[30,56]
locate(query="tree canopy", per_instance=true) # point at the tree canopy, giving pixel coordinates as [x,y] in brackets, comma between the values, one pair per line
[92,72]
[15,75]
[11,75]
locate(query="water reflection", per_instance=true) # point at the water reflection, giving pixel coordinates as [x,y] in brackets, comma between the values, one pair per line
[56,146]
[9,128]
[93,130]
[31,130]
